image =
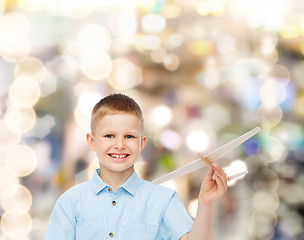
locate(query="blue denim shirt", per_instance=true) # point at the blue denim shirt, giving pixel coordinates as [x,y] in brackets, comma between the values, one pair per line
[136,210]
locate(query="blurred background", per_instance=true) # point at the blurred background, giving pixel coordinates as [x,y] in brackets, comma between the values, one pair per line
[203,71]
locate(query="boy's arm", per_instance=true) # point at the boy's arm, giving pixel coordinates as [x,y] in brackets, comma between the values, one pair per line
[62,220]
[211,190]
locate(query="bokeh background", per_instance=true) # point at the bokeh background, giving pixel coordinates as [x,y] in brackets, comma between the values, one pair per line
[203,71]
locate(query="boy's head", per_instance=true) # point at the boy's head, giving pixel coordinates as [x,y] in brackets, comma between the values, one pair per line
[114,104]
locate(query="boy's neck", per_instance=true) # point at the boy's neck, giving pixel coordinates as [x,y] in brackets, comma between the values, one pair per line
[115,179]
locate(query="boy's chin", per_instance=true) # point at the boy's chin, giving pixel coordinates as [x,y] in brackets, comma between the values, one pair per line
[117,169]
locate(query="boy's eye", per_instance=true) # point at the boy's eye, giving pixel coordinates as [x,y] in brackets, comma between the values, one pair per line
[109,136]
[130,136]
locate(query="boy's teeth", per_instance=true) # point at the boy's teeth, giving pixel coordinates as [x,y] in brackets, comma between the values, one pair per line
[118,156]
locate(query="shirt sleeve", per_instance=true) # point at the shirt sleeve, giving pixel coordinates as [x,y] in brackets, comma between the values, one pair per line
[176,219]
[62,222]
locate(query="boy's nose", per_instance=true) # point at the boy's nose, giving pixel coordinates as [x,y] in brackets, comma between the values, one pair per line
[120,143]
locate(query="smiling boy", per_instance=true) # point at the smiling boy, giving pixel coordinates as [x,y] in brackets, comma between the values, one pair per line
[115,203]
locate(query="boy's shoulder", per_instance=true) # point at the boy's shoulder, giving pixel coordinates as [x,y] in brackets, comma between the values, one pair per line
[78,189]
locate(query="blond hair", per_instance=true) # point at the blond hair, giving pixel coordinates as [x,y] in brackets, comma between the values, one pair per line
[114,104]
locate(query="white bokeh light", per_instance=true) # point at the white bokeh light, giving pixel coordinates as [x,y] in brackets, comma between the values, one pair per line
[197,140]
[161,115]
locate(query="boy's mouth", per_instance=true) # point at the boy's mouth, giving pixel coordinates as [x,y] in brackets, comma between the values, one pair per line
[119,156]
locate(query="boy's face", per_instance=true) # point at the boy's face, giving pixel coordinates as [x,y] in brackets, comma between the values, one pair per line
[117,141]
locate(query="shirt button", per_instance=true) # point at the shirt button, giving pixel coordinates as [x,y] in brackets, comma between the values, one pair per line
[111,234]
[114,203]
[110,189]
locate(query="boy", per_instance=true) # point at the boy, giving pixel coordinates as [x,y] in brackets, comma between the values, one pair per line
[115,203]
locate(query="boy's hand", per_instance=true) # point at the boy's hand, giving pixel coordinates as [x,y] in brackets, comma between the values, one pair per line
[213,188]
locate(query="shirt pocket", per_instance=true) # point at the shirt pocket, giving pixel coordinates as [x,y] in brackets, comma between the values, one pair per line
[88,225]
[141,231]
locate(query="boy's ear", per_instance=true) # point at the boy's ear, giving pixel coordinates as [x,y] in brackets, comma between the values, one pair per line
[143,142]
[90,141]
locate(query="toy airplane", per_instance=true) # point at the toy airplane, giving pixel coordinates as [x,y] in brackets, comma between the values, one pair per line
[209,159]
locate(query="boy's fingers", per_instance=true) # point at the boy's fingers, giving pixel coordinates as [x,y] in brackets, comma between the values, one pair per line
[218,168]
[221,183]
[210,174]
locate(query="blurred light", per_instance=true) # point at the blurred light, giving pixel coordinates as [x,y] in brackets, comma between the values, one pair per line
[8,138]
[153,23]
[170,139]
[147,4]
[82,113]
[64,67]
[16,196]
[269,16]
[293,223]
[291,93]
[158,55]
[151,42]
[280,74]
[274,150]
[291,31]
[208,79]
[169,184]
[7,178]
[12,236]
[291,135]
[235,167]
[43,126]
[17,223]
[268,43]
[106,3]
[266,180]
[24,92]
[171,62]
[93,165]
[225,44]
[87,101]
[31,67]
[171,11]
[272,115]
[118,20]
[96,65]
[210,7]
[174,41]
[251,147]
[2,6]
[19,120]
[202,48]
[261,225]
[161,115]
[217,115]
[125,75]
[21,159]
[265,201]
[192,207]
[77,9]
[49,85]
[298,73]
[197,140]
[72,8]
[298,106]
[93,38]
[82,119]
[32,5]
[14,31]
[272,93]
[139,166]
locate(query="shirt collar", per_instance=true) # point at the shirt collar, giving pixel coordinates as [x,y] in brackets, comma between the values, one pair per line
[130,185]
